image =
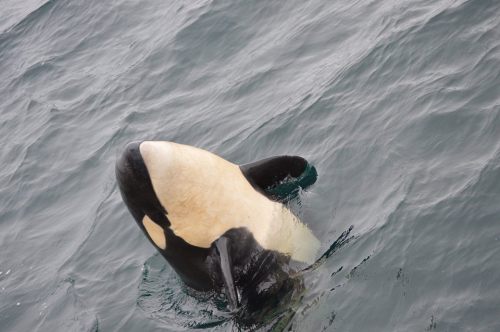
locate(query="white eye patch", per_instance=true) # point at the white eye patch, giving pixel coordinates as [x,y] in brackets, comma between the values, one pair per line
[155,232]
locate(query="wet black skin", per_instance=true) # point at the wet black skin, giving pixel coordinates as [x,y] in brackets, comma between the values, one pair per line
[268,172]
[257,277]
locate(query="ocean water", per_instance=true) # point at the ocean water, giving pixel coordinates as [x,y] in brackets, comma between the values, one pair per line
[396,103]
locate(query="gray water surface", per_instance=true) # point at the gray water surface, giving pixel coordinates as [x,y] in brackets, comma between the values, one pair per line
[396,103]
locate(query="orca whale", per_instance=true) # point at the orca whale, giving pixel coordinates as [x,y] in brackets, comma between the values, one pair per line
[221,226]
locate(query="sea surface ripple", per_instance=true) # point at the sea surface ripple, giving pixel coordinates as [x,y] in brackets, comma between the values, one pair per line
[396,103]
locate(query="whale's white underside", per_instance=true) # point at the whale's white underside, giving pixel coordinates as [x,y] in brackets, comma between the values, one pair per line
[206,195]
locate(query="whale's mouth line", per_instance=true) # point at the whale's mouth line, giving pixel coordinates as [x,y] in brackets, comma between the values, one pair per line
[136,187]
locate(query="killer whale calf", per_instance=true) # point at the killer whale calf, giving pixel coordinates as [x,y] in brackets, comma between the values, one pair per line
[220,226]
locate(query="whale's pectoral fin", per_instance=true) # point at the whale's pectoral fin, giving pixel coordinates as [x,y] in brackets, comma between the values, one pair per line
[227,271]
[280,178]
